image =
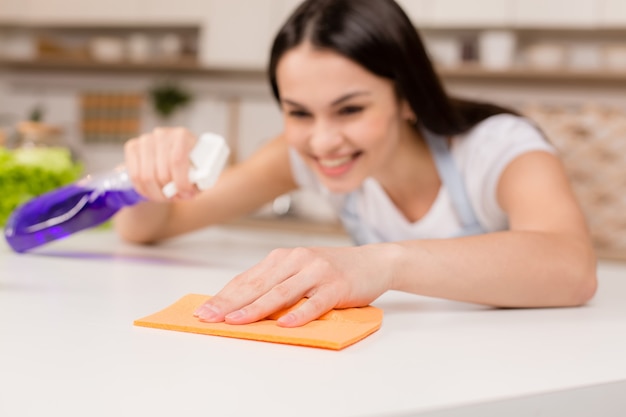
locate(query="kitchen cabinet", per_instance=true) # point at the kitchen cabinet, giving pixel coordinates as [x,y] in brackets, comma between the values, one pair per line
[282,10]
[237,34]
[261,18]
[613,13]
[419,11]
[259,120]
[77,11]
[476,13]
[452,14]
[167,12]
[13,10]
[80,12]
[556,13]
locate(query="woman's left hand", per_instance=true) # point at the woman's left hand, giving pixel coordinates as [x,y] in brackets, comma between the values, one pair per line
[335,277]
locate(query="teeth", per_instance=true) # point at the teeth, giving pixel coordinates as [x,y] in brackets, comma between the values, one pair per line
[332,163]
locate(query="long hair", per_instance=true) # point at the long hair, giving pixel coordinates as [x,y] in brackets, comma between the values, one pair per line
[379,36]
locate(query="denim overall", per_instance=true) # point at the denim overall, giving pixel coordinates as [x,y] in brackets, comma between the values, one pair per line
[450,176]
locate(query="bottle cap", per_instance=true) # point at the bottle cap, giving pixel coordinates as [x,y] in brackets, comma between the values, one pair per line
[208,159]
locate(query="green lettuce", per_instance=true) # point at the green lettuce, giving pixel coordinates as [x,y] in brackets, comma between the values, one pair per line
[28,172]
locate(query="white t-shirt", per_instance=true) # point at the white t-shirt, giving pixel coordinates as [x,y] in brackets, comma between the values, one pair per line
[480,155]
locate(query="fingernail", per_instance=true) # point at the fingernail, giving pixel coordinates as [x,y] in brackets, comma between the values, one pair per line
[235,315]
[198,310]
[287,319]
[207,312]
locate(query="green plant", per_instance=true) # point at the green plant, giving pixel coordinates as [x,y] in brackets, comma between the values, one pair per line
[36,114]
[167,98]
[28,172]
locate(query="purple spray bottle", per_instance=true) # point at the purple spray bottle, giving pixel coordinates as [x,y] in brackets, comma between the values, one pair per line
[96,198]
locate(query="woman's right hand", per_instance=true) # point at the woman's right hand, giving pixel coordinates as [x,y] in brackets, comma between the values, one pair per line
[159,157]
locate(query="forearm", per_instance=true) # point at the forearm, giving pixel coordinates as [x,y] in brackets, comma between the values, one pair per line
[143,222]
[506,269]
[241,189]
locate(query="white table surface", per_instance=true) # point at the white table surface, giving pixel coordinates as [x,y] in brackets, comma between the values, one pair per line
[68,346]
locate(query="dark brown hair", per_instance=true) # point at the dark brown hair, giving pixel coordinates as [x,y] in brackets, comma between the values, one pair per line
[379,36]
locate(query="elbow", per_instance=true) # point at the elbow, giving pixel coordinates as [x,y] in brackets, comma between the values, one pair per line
[136,240]
[587,289]
[584,282]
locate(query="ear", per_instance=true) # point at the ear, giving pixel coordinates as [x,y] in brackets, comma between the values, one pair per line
[406,112]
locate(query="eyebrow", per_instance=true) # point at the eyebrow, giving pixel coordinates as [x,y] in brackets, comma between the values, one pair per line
[336,102]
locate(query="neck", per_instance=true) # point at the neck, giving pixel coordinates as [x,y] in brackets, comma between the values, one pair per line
[411,181]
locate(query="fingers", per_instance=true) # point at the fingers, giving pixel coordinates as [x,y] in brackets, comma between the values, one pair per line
[278,298]
[162,144]
[182,144]
[275,284]
[147,167]
[247,287]
[159,157]
[281,296]
[319,304]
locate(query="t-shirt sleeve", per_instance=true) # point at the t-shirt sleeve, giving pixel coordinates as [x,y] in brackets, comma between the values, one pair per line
[484,153]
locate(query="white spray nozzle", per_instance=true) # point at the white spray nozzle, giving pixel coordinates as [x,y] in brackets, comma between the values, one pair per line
[208,159]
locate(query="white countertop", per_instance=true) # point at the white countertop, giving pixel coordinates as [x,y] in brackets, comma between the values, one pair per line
[68,346]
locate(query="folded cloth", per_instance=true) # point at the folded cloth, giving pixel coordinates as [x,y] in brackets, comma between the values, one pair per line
[334,330]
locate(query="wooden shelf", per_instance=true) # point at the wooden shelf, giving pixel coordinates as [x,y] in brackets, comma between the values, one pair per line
[530,74]
[192,67]
[183,66]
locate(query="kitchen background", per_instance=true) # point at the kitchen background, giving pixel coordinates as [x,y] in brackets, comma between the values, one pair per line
[90,75]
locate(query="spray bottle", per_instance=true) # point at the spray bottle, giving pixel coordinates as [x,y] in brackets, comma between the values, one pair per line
[94,199]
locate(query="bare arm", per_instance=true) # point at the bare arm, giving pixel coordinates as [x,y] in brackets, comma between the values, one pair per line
[544,260]
[241,189]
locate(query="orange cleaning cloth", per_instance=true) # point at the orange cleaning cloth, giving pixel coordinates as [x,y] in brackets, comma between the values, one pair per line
[334,330]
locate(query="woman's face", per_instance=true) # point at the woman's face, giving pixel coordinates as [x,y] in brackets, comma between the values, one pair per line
[343,120]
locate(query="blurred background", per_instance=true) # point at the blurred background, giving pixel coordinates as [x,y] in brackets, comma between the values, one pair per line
[88,75]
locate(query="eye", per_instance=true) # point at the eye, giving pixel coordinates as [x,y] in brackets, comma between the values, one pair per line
[349,110]
[298,114]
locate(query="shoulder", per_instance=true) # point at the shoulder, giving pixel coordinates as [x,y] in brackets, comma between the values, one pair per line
[504,129]
[483,153]
[499,138]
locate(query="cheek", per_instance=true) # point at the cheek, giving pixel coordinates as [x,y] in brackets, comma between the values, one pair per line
[295,133]
[374,131]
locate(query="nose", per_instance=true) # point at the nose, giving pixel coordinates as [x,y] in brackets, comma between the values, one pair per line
[325,139]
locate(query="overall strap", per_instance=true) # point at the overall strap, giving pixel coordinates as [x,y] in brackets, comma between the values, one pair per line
[360,232]
[453,180]
[450,176]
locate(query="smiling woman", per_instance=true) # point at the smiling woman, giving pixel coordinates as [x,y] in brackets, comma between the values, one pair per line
[443,197]
[345,128]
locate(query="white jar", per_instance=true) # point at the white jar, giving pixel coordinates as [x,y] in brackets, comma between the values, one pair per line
[445,51]
[615,57]
[545,55]
[107,49]
[170,46]
[497,49]
[139,48]
[584,57]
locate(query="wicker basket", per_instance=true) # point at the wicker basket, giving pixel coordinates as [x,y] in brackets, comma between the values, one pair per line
[592,142]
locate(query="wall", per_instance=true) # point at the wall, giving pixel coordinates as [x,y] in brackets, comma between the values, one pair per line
[235,36]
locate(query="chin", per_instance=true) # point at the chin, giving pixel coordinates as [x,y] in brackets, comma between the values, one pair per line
[341,180]
[340,186]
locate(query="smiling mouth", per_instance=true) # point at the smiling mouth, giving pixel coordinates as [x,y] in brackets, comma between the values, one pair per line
[334,163]
[337,166]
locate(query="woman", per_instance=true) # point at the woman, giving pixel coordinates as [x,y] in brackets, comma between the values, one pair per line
[446,198]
